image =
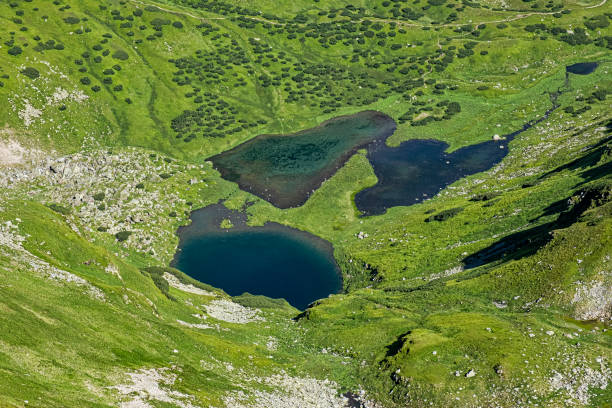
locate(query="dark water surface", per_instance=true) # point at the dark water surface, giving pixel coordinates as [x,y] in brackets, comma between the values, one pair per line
[272,260]
[418,169]
[282,262]
[286,169]
[581,68]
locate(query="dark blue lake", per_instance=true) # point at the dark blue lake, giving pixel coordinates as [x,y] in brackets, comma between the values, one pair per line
[581,68]
[271,260]
[418,169]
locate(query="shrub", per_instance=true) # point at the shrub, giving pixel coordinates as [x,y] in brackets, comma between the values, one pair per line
[444,215]
[15,50]
[600,94]
[140,186]
[102,229]
[72,20]
[157,276]
[30,72]
[99,196]
[453,108]
[165,176]
[484,196]
[261,302]
[85,81]
[120,55]
[158,22]
[177,24]
[596,22]
[123,235]
[59,209]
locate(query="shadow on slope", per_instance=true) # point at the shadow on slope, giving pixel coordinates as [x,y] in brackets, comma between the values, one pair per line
[569,210]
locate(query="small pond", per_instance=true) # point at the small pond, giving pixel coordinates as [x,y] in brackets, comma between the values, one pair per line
[271,260]
[581,68]
[286,169]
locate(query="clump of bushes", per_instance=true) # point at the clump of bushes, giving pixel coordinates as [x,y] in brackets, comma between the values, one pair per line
[30,72]
[484,196]
[72,20]
[123,235]
[120,55]
[444,215]
[15,51]
[59,208]
[158,22]
[158,271]
[157,276]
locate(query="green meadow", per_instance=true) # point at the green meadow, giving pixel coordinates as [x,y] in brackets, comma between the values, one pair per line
[495,292]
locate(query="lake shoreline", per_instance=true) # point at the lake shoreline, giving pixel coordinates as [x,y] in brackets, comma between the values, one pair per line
[206,223]
[266,187]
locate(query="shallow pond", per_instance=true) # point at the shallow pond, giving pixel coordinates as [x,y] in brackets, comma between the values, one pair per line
[419,169]
[286,169]
[581,68]
[272,260]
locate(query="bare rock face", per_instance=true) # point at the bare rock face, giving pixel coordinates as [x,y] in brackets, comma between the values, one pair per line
[593,300]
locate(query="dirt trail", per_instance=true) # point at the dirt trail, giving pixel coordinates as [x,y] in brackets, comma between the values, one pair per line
[199,17]
[384,20]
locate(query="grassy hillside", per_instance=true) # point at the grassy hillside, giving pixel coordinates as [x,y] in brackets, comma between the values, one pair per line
[495,292]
